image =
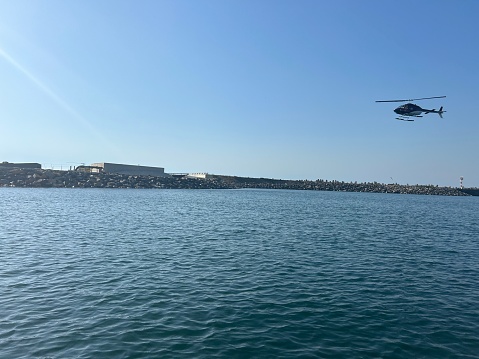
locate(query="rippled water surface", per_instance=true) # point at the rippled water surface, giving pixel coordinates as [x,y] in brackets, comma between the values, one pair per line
[237,273]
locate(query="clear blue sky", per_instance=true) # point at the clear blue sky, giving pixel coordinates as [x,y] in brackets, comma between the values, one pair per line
[263,88]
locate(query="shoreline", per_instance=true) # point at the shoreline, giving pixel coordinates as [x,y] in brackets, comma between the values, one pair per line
[44,178]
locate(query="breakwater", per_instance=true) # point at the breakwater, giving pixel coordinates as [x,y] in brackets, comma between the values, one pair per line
[17,177]
[471,191]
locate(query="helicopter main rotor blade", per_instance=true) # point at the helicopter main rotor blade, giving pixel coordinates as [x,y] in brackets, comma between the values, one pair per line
[412,99]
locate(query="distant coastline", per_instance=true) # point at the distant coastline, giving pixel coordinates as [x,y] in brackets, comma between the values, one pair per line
[44,178]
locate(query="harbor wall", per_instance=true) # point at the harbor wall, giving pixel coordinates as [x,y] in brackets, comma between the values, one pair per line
[17,177]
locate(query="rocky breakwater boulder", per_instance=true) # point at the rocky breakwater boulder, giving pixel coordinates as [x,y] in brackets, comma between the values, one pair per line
[20,177]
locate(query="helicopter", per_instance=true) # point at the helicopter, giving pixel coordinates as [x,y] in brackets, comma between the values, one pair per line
[405,112]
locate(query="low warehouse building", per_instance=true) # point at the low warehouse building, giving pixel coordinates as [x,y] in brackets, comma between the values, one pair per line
[132,170]
[20,165]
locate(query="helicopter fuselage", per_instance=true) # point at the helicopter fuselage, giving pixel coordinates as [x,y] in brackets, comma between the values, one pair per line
[410,109]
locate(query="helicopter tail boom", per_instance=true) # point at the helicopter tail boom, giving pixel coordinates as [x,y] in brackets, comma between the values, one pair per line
[440,112]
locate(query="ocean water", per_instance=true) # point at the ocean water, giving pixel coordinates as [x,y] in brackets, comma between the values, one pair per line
[105,273]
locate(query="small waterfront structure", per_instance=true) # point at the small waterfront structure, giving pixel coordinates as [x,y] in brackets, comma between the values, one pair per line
[88,169]
[6,164]
[199,175]
[179,175]
[132,170]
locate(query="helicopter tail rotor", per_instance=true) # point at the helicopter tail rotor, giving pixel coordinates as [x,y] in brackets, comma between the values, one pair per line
[440,112]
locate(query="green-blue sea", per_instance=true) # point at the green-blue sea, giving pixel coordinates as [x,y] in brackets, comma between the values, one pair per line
[108,273]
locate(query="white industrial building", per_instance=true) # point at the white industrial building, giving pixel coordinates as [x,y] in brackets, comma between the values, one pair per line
[199,175]
[132,170]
